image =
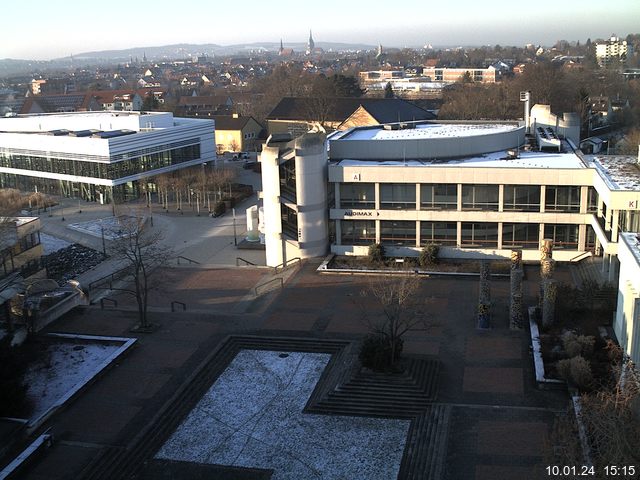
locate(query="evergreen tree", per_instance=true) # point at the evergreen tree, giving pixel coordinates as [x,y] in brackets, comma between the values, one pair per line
[388,91]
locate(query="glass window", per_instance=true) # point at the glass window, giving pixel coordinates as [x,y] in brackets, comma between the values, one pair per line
[439,233]
[288,179]
[289,221]
[523,198]
[358,232]
[480,197]
[397,196]
[479,235]
[592,200]
[357,195]
[564,236]
[562,199]
[439,197]
[399,233]
[520,235]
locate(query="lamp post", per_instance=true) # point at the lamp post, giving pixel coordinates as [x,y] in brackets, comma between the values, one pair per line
[235,238]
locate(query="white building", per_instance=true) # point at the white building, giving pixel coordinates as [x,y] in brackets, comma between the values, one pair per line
[470,187]
[99,155]
[627,322]
[613,50]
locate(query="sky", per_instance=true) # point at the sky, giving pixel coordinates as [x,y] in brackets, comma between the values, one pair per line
[46,29]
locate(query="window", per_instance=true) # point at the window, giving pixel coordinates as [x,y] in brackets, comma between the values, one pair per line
[629,221]
[562,199]
[440,233]
[400,233]
[357,195]
[289,221]
[398,196]
[480,197]
[592,200]
[520,235]
[479,235]
[522,198]
[439,197]
[358,232]
[565,237]
[288,179]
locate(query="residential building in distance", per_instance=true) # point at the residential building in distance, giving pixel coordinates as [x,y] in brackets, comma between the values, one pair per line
[296,115]
[612,51]
[235,133]
[20,247]
[453,75]
[99,156]
[476,189]
[120,100]
[204,106]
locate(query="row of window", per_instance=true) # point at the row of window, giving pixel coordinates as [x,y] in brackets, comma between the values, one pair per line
[473,235]
[110,171]
[524,198]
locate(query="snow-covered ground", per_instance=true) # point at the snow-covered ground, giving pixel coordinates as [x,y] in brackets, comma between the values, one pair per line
[69,365]
[109,226]
[252,417]
[52,244]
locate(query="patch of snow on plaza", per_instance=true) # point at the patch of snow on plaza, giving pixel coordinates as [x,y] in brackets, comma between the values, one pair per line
[52,244]
[252,417]
[110,227]
[66,365]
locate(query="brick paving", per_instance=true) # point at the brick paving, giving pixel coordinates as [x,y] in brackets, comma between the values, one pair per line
[498,420]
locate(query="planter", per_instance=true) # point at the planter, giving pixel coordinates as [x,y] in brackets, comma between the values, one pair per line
[536,348]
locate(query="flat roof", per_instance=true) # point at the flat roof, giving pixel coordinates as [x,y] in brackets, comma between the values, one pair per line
[633,242]
[527,159]
[429,130]
[621,172]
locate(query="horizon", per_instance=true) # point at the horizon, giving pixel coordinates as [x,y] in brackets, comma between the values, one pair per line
[413,24]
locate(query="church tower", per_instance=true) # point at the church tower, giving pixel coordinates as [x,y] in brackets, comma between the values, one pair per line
[281,51]
[310,44]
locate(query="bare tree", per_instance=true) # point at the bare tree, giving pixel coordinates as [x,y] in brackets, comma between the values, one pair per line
[140,247]
[392,305]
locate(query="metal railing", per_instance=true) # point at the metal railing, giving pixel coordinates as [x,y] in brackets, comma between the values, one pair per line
[273,280]
[246,262]
[113,301]
[581,256]
[286,263]
[108,278]
[190,261]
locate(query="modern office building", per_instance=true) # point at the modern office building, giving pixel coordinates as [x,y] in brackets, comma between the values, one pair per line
[99,156]
[627,321]
[474,188]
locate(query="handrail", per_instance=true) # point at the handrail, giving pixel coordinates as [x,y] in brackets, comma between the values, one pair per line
[175,302]
[268,283]
[247,262]
[286,263]
[187,259]
[113,300]
[110,276]
[583,254]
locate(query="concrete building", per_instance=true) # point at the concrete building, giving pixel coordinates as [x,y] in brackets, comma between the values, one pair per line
[99,155]
[235,133]
[20,246]
[474,188]
[627,321]
[612,51]
[453,75]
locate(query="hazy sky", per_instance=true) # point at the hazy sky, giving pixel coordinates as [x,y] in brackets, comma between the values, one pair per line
[45,29]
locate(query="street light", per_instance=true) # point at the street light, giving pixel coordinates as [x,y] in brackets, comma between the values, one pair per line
[235,238]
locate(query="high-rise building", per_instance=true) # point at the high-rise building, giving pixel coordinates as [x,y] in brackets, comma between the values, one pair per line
[612,51]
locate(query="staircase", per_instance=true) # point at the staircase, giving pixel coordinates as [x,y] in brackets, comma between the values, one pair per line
[587,270]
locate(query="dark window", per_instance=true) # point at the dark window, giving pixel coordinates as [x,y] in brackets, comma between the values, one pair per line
[523,198]
[480,197]
[479,235]
[440,233]
[400,233]
[592,200]
[565,237]
[289,222]
[439,197]
[288,179]
[562,199]
[397,196]
[357,195]
[358,232]
[520,235]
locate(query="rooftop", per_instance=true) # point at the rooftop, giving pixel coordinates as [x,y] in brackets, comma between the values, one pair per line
[429,130]
[620,172]
[531,159]
[633,242]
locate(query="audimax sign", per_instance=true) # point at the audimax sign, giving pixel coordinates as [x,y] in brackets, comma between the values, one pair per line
[361,213]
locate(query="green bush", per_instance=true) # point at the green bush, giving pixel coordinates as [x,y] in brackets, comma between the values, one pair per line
[376,252]
[429,255]
[375,352]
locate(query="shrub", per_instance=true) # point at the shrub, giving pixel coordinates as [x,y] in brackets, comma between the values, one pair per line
[575,370]
[576,345]
[429,255]
[376,252]
[375,352]
[219,209]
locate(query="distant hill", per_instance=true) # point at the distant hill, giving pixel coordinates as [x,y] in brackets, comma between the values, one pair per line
[183,50]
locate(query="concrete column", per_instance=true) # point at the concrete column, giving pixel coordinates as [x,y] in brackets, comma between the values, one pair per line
[459,206]
[376,189]
[336,194]
[543,196]
[459,234]
[607,220]
[600,206]
[418,197]
[500,201]
[584,197]
[614,225]
[500,236]
[613,269]
[418,239]
[377,231]
[582,238]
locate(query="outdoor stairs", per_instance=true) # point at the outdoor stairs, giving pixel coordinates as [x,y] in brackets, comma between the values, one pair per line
[587,270]
[373,394]
[425,451]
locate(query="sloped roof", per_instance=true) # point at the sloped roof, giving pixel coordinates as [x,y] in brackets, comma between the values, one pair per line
[203,101]
[59,103]
[229,122]
[338,109]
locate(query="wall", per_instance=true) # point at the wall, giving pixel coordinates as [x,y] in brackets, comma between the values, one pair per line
[627,322]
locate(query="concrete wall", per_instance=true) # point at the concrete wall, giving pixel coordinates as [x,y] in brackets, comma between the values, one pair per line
[627,321]
[567,126]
